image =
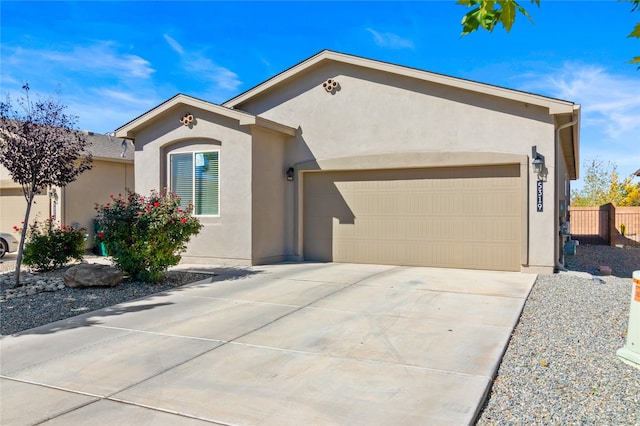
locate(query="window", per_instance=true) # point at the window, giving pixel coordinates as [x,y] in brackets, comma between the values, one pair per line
[194,177]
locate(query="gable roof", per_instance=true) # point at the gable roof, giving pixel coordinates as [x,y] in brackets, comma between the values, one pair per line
[101,147]
[555,106]
[105,146]
[567,113]
[244,118]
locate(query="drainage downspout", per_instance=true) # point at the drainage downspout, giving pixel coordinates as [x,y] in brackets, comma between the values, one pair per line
[560,264]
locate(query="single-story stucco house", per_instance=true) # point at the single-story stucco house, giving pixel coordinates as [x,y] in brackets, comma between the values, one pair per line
[112,173]
[347,159]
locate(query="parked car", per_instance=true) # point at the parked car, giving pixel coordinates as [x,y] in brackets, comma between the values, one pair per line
[8,243]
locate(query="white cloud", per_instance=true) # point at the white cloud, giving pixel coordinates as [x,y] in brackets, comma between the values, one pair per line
[101,85]
[174,44]
[129,97]
[219,76]
[610,105]
[221,81]
[136,66]
[101,59]
[390,40]
[103,109]
[106,86]
[608,101]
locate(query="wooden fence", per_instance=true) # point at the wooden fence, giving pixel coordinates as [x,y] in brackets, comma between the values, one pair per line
[590,225]
[608,225]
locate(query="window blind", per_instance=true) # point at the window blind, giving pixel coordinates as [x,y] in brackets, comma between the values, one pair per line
[195,179]
[181,183]
[206,184]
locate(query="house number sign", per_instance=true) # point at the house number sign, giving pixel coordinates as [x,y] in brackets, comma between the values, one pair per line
[539,193]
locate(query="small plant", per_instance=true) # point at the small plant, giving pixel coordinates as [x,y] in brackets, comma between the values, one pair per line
[50,246]
[623,229]
[145,236]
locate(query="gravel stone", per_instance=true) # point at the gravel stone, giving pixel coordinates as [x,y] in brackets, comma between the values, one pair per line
[54,301]
[560,366]
[31,306]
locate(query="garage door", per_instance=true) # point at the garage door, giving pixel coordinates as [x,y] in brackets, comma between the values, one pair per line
[466,217]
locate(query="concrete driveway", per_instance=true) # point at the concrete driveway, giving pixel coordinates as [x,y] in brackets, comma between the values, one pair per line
[292,344]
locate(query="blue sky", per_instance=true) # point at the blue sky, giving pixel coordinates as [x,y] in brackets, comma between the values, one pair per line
[112,61]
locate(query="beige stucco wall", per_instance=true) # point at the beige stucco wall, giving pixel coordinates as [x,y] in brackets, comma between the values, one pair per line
[378,113]
[78,199]
[74,204]
[224,239]
[12,209]
[13,204]
[270,229]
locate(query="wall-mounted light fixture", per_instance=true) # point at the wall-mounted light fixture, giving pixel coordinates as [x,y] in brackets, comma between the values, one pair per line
[290,173]
[537,161]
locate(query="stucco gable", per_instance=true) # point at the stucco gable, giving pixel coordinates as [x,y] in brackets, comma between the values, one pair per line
[555,106]
[283,88]
[129,130]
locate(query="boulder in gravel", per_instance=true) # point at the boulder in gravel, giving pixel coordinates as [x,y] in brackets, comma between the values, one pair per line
[90,275]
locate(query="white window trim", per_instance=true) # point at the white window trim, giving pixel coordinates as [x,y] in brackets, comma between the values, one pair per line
[193,181]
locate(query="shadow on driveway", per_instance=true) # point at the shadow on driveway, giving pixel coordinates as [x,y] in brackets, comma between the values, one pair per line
[51,312]
[90,318]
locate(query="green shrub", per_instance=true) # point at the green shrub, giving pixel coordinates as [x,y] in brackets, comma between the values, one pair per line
[145,235]
[50,246]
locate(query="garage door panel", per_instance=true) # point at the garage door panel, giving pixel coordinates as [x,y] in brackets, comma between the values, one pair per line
[433,229]
[490,204]
[479,255]
[376,204]
[492,229]
[448,217]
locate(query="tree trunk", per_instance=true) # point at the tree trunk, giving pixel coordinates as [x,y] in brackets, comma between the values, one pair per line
[23,236]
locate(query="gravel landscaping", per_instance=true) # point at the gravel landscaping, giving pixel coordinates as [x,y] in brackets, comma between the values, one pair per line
[560,366]
[46,299]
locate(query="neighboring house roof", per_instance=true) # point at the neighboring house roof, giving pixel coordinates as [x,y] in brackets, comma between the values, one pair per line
[101,147]
[244,119]
[108,147]
[556,106]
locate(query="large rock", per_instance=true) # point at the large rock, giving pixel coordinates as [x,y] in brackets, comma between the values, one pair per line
[90,275]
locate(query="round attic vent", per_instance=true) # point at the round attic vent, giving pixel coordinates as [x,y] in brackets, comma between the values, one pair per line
[330,85]
[187,119]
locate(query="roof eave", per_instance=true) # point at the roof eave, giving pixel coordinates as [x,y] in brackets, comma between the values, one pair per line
[128,131]
[274,126]
[113,159]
